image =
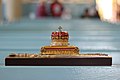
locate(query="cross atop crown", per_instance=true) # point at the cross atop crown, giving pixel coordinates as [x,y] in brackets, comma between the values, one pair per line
[60,28]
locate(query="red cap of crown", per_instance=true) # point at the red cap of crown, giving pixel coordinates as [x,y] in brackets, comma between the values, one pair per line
[62,34]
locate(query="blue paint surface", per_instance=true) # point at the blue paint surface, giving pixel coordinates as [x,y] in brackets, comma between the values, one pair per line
[89,35]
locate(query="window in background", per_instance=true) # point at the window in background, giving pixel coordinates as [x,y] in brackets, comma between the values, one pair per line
[105,10]
[109,10]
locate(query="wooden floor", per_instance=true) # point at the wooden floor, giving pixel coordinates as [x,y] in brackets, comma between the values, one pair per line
[89,35]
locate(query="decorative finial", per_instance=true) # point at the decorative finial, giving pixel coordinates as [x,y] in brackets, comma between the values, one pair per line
[60,28]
